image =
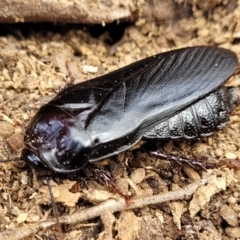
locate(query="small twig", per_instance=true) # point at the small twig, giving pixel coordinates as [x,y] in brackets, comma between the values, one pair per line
[60,233]
[20,233]
[114,205]
[7,119]
[111,205]
[88,12]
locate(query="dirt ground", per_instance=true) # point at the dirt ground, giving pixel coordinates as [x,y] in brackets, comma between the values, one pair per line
[33,69]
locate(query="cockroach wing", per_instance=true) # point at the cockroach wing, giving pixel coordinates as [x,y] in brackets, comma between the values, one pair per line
[125,104]
[87,95]
[171,83]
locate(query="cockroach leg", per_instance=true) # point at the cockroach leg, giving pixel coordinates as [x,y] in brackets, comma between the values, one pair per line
[68,83]
[72,78]
[104,178]
[180,160]
[230,163]
[198,164]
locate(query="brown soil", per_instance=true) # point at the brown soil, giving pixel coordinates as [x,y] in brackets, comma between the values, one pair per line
[33,69]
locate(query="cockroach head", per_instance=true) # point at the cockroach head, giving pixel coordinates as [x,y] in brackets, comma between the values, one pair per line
[56,141]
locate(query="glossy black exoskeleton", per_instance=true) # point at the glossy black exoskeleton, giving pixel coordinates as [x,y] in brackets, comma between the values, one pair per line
[176,94]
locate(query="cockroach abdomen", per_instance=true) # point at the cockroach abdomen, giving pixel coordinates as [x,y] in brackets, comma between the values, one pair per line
[201,119]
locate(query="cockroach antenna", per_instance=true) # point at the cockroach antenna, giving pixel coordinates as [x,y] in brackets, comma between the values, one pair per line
[55,211]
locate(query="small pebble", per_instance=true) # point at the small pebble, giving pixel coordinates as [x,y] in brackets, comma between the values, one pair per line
[6,129]
[16,142]
[232,200]
[89,69]
[229,215]
[233,232]
[22,217]
[230,155]
[138,175]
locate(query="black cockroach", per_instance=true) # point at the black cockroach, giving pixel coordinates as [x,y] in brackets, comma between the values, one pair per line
[172,95]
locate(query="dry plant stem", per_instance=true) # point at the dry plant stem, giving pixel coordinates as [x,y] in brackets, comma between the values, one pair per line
[13,11]
[20,233]
[84,11]
[111,205]
[114,205]
[6,118]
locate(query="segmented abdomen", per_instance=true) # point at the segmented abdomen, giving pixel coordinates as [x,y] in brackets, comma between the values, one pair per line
[201,119]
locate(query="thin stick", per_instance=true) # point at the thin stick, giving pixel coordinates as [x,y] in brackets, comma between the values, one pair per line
[111,205]
[114,205]
[55,211]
